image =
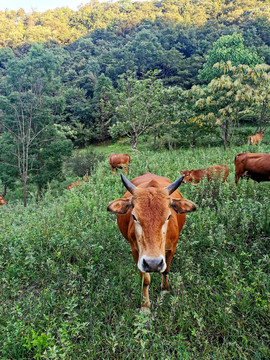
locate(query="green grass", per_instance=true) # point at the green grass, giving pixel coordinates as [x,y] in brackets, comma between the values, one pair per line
[70,289]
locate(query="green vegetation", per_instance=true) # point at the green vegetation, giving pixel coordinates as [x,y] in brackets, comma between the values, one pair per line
[70,288]
[63,26]
[152,69]
[184,80]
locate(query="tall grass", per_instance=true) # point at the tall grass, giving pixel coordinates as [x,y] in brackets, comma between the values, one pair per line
[70,289]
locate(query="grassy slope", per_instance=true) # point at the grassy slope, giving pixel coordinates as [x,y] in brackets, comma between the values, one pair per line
[70,288]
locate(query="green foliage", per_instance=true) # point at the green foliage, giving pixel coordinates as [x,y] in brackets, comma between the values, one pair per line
[30,102]
[63,26]
[103,105]
[70,288]
[82,163]
[228,48]
[50,154]
[240,91]
[138,106]
[8,166]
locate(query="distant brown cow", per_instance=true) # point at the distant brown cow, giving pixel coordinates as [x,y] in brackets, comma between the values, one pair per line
[211,173]
[3,201]
[253,165]
[119,161]
[77,183]
[255,139]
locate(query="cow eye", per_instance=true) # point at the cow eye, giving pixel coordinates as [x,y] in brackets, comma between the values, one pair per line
[134,217]
[168,218]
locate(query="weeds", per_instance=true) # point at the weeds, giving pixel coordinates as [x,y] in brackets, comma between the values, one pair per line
[70,289]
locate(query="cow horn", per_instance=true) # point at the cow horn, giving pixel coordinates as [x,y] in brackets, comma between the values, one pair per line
[172,187]
[130,187]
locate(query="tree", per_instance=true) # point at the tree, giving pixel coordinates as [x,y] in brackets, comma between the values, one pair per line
[8,166]
[51,148]
[226,99]
[102,106]
[30,101]
[227,48]
[168,116]
[137,106]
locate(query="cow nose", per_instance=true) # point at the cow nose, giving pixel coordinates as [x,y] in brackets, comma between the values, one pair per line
[153,264]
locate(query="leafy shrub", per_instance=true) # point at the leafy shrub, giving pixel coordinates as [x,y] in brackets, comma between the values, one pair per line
[82,162]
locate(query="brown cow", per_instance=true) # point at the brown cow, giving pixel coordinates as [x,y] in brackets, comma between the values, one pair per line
[119,161]
[255,139]
[212,173]
[77,183]
[3,201]
[150,216]
[253,165]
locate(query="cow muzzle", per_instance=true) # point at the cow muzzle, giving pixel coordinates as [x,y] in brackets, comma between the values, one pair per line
[148,264]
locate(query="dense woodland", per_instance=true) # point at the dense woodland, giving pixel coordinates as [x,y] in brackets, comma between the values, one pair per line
[181,73]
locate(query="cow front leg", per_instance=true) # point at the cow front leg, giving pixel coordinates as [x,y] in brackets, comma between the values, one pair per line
[145,292]
[237,177]
[165,282]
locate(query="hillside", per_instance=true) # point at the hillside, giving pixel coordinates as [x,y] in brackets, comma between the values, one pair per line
[70,288]
[63,26]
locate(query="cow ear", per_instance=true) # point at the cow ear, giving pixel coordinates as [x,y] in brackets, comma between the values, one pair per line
[183,206]
[119,206]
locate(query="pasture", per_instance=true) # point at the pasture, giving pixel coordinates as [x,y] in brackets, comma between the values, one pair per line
[71,290]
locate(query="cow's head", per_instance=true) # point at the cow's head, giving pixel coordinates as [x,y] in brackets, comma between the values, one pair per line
[152,211]
[2,200]
[187,176]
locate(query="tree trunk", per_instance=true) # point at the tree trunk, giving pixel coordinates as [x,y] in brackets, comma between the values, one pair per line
[226,133]
[135,141]
[5,191]
[39,194]
[155,139]
[262,116]
[24,192]
[170,135]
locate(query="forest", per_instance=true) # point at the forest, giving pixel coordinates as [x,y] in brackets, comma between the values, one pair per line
[177,85]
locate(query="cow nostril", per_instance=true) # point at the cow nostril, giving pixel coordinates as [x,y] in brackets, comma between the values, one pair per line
[160,265]
[146,265]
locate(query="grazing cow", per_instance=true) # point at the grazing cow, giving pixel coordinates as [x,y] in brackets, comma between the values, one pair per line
[255,139]
[119,161]
[212,173]
[3,201]
[253,165]
[77,183]
[150,216]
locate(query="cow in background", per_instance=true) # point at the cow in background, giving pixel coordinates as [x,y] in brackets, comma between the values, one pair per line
[211,173]
[150,216]
[255,139]
[252,165]
[119,161]
[77,183]
[3,201]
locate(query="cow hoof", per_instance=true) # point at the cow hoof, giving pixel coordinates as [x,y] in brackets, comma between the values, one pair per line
[165,292]
[145,310]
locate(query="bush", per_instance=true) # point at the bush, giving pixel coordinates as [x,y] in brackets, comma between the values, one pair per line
[82,162]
